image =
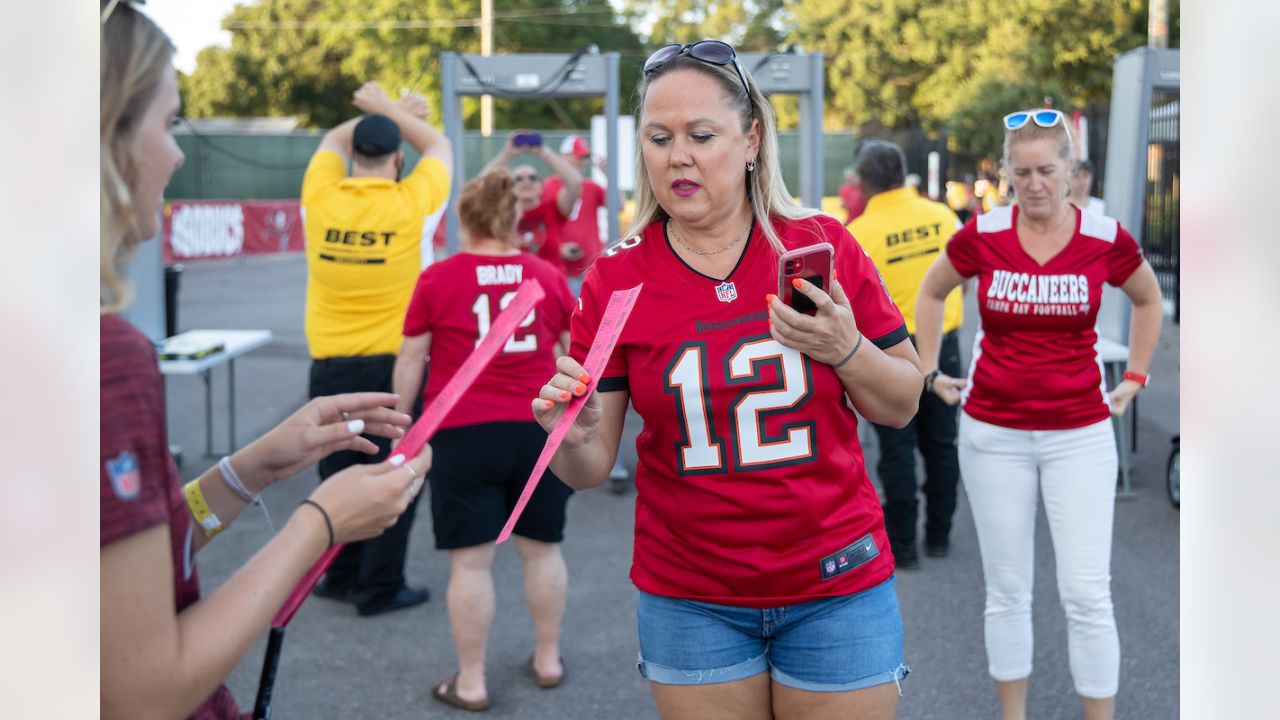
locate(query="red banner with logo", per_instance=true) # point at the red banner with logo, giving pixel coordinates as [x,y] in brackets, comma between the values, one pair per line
[198,229]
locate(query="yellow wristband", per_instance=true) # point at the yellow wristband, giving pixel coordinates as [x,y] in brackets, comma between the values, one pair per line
[209,523]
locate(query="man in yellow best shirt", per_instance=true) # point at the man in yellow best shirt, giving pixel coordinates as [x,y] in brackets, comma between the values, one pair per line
[368,236]
[903,233]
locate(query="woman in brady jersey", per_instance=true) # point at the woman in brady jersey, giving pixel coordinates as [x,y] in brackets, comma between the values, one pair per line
[165,649]
[488,445]
[765,577]
[1036,411]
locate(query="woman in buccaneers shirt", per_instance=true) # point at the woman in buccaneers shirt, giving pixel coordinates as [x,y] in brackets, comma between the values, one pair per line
[765,575]
[1036,410]
[165,650]
[488,445]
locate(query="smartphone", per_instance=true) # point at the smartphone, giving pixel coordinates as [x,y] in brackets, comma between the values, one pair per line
[811,263]
[531,139]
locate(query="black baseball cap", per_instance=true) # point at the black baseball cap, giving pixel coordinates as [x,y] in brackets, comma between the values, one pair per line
[376,135]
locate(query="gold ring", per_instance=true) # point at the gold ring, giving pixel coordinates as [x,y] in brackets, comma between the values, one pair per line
[413,473]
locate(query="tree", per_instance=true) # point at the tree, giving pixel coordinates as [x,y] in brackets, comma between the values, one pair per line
[934,65]
[306,57]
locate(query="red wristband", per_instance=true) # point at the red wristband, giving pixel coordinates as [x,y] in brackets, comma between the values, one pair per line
[1136,377]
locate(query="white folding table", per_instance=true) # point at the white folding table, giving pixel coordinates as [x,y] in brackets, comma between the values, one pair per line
[235,343]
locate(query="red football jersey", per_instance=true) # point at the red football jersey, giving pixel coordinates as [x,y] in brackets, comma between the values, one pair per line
[457,300]
[139,484]
[539,232]
[750,483]
[1036,364]
[580,233]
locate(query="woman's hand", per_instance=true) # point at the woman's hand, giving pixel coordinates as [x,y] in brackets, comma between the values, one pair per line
[363,500]
[948,388]
[322,426]
[569,382]
[828,336]
[1122,395]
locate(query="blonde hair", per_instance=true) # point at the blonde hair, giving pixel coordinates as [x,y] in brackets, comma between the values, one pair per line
[766,190]
[1031,131]
[487,206]
[134,56]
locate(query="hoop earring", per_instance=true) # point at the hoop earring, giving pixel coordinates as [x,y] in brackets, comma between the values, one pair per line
[751,166]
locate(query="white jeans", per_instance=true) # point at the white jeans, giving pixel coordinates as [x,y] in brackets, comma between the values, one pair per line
[1076,471]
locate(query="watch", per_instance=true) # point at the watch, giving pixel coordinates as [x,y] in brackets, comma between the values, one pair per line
[1136,377]
[928,379]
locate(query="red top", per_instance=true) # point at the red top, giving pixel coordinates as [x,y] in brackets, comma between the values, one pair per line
[457,300]
[750,473]
[1036,364]
[139,482]
[539,231]
[580,234]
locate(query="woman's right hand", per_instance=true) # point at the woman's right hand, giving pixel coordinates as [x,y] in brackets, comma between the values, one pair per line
[949,389]
[364,500]
[569,382]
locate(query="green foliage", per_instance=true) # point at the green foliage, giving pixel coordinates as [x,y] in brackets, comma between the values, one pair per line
[965,63]
[750,25]
[273,67]
[958,65]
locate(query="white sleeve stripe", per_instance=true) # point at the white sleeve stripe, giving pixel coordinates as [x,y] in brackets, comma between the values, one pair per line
[1099,226]
[1000,218]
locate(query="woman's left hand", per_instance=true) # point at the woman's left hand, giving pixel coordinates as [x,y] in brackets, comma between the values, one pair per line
[827,336]
[322,426]
[1122,395]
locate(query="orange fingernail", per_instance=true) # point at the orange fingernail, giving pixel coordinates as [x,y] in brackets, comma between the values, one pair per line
[796,283]
[550,404]
[768,299]
[564,396]
[579,389]
[584,378]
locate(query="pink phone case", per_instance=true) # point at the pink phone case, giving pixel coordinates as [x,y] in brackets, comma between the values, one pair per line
[812,263]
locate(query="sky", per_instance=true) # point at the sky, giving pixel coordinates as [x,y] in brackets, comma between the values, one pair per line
[192,26]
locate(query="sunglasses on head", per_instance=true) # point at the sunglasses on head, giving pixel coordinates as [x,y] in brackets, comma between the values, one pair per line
[1043,118]
[526,178]
[712,52]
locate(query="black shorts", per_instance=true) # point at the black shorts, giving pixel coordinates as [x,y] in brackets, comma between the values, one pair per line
[477,474]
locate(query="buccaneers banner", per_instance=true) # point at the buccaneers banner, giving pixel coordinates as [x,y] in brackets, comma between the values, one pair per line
[198,229]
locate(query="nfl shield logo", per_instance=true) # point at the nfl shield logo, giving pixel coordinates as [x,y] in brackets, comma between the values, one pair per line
[726,292]
[125,478]
[831,566]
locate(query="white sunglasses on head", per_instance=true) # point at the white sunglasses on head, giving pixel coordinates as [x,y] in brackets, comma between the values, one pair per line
[1044,118]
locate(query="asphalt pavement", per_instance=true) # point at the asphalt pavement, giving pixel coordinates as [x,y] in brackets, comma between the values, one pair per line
[341,666]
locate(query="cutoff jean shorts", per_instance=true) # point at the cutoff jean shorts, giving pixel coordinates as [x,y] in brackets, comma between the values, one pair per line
[830,645]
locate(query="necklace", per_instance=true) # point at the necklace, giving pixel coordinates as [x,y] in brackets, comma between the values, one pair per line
[695,251]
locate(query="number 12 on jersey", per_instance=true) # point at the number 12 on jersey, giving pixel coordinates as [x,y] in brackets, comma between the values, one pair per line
[703,450]
[517,343]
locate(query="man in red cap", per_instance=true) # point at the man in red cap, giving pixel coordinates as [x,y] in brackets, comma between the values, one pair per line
[580,239]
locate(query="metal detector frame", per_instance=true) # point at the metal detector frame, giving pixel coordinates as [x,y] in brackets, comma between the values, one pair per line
[592,75]
[797,73]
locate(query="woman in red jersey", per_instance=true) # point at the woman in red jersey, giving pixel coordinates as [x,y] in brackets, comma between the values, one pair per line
[488,445]
[1036,410]
[165,650]
[765,577]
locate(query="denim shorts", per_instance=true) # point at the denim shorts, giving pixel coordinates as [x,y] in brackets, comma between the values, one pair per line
[829,645]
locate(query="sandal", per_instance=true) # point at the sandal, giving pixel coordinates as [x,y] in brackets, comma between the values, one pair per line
[447,693]
[544,682]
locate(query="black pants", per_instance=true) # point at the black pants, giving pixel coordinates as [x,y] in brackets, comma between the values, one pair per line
[933,431]
[374,568]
